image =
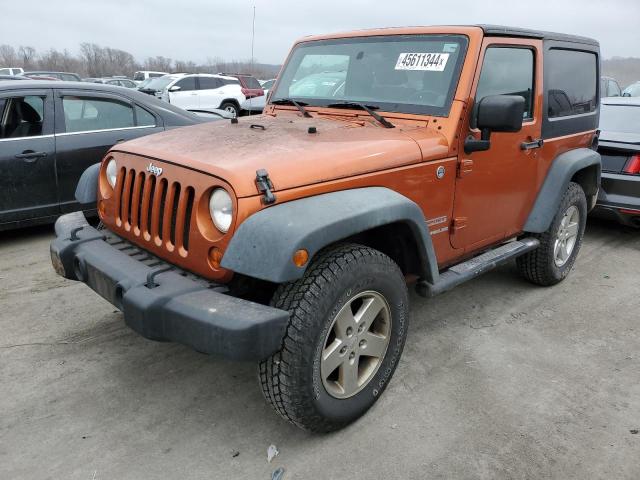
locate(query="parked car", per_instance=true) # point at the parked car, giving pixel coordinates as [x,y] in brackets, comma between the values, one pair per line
[295,234]
[267,84]
[609,87]
[11,71]
[119,82]
[64,76]
[13,77]
[43,154]
[42,77]
[146,74]
[156,85]
[619,146]
[632,90]
[252,90]
[199,92]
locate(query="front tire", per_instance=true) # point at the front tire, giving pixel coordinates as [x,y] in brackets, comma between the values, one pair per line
[347,328]
[552,261]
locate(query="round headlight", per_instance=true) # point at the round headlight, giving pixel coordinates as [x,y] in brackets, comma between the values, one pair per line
[221,209]
[112,173]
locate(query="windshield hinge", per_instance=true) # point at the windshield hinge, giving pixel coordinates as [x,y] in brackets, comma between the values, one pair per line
[263,182]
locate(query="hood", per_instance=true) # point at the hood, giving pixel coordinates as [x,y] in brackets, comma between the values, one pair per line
[283,146]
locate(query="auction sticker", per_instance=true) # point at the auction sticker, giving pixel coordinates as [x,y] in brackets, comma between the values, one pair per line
[433,62]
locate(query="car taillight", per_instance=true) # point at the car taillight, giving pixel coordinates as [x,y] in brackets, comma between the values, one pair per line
[251,93]
[633,165]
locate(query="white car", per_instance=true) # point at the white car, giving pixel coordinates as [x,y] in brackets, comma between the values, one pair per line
[143,75]
[204,92]
[11,71]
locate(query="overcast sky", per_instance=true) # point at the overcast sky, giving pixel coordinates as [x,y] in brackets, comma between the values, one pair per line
[198,29]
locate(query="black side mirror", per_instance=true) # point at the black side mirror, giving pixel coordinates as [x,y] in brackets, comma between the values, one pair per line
[496,113]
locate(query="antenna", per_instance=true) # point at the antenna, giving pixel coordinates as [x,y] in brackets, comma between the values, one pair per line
[253,35]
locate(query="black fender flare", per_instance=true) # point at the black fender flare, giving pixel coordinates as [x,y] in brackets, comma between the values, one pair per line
[564,167]
[87,188]
[263,245]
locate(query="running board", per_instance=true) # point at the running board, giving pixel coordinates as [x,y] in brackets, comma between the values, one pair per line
[476,266]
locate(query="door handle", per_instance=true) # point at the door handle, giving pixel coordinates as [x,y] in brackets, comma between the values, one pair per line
[531,145]
[31,156]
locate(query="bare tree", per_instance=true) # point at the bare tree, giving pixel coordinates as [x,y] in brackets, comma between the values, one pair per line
[27,56]
[159,63]
[8,56]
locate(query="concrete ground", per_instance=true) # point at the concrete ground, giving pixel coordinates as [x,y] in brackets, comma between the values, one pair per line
[499,379]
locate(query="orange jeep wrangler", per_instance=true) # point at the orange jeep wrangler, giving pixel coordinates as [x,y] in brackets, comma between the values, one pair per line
[422,156]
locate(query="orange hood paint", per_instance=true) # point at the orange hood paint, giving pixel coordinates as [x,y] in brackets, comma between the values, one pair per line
[342,147]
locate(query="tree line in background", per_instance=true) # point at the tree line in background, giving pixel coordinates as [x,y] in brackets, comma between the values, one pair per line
[97,61]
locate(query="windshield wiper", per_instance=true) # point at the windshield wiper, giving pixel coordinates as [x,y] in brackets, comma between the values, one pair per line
[367,108]
[298,105]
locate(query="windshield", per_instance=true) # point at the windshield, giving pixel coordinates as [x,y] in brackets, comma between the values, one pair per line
[159,83]
[632,90]
[620,118]
[396,73]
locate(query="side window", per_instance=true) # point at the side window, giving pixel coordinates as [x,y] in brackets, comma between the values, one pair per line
[508,71]
[21,117]
[571,82]
[186,84]
[209,83]
[83,114]
[144,118]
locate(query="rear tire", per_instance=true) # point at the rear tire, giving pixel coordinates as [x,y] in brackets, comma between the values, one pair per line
[552,261]
[339,351]
[231,108]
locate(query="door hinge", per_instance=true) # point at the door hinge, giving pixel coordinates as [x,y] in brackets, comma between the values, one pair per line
[458,223]
[465,167]
[263,182]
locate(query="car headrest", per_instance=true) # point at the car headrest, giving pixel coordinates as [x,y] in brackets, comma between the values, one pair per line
[29,114]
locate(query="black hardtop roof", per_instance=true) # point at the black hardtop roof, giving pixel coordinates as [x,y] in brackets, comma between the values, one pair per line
[502,31]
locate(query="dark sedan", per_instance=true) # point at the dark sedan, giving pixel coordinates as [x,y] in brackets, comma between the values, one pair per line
[619,146]
[50,132]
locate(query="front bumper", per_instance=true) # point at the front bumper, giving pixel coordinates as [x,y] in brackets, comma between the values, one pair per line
[619,198]
[162,303]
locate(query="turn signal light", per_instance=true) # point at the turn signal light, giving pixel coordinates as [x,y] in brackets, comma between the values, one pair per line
[215,257]
[633,166]
[300,258]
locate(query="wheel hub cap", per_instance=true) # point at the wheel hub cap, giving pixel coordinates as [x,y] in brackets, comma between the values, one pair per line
[567,236]
[356,344]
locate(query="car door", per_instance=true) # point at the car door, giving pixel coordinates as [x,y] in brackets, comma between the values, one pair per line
[187,96]
[495,189]
[88,123]
[27,155]
[211,92]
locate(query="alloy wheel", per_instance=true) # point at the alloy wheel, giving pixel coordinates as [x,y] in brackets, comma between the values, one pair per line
[356,344]
[567,236]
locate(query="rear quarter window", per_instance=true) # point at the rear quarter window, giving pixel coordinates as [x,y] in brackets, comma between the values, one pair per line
[571,82]
[251,82]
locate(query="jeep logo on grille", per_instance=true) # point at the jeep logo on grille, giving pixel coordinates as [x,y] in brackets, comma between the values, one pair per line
[157,171]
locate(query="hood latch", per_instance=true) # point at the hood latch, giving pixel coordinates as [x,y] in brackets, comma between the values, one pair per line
[263,182]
